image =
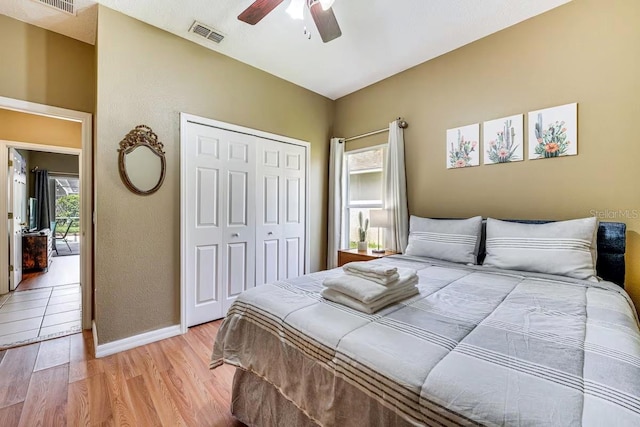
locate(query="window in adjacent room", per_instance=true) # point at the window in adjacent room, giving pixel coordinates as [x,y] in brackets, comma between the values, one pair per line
[65,207]
[365,178]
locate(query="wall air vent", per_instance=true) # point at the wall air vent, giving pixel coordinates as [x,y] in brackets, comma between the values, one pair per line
[65,6]
[205,31]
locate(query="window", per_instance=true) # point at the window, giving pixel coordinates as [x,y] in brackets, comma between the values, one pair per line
[365,180]
[65,200]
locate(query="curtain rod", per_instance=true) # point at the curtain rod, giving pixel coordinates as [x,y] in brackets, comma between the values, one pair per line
[403,125]
[56,173]
[364,135]
[64,173]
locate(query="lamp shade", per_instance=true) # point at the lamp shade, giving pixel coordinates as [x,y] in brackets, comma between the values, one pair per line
[378,218]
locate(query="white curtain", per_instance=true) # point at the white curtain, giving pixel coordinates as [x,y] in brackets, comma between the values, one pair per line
[336,220]
[395,193]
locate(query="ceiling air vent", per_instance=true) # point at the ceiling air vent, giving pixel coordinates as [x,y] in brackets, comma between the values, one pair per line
[205,31]
[65,6]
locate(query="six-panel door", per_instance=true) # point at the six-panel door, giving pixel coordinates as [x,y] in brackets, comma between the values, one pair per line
[220,220]
[244,215]
[281,203]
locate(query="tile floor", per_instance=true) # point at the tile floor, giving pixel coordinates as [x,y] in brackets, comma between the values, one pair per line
[64,270]
[36,313]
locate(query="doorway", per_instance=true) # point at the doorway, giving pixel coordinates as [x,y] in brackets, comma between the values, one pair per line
[44,247]
[56,208]
[82,231]
[64,189]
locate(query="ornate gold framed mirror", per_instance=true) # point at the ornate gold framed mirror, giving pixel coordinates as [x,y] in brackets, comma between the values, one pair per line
[141,161]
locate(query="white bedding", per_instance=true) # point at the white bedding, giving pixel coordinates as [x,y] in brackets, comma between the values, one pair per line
[475,347]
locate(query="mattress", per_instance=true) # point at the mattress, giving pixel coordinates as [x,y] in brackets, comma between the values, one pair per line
[477,346]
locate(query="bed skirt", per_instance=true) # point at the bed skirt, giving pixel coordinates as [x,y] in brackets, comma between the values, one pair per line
[256,402]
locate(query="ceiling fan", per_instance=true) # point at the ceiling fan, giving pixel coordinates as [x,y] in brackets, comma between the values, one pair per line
[321,13]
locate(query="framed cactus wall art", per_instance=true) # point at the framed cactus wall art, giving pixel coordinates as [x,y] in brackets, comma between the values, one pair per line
[553,132]
[502,140]
[463,149]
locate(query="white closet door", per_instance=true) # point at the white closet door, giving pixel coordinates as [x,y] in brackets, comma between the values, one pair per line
[294,210]
[269,262]
[240,207]
[280,227]
[218,216]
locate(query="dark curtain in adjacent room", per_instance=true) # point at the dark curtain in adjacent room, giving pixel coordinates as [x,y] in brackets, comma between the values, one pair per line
[42,195]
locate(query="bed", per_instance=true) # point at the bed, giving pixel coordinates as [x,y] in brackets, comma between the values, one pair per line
[477,346]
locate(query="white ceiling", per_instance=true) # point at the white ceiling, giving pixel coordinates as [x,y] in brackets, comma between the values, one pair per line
[81,27]
[379,37]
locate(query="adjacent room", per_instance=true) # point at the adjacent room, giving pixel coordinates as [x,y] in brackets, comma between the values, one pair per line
[319,212]
[43,206]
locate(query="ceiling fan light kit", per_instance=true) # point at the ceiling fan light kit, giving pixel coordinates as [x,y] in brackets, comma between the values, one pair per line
[326,4]
[296,9]
[321,12]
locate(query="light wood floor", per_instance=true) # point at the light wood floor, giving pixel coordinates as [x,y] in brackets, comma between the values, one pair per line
[64,270]
[168,383]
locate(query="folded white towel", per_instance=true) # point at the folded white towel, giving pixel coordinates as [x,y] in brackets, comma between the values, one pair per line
[367,291]
[369,268]
[384,281]
[340,298]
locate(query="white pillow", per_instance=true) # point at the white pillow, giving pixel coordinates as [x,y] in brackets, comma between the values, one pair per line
[565,248]
[455,240]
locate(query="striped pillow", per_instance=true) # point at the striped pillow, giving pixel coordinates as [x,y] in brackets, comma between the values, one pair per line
[565,248]
[455,240]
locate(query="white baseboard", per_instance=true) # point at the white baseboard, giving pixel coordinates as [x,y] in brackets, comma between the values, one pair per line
[94,331]
[113,347]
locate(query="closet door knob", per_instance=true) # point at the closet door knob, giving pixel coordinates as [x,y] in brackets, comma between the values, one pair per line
[270,233]
[235,235]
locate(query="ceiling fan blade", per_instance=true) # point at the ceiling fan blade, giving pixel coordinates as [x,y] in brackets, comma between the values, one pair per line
[258,10]
[326,22]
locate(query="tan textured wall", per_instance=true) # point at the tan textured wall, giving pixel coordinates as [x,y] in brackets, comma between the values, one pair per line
[53,162]
[45,67]
[23,127]
[57,163]
[148,76]
[586,52]
[35,129]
